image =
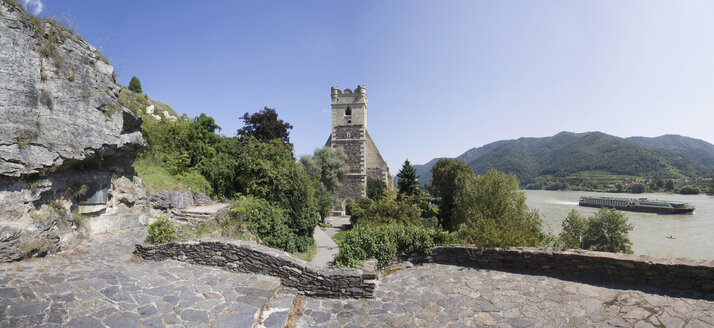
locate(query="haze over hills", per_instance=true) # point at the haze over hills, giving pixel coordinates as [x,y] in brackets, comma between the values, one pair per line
[567,153]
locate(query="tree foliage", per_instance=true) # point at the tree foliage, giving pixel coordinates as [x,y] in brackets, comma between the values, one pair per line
[385,210]
[384,242]
[573,230]
[408,181]
[606,231]
[375,188]
[264,126]
[445,174]
[134,85]
[491,211]
[328,165]
[265,220]
[261,168]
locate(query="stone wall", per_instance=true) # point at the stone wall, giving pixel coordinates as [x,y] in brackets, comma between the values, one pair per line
[249,257]
[631,270]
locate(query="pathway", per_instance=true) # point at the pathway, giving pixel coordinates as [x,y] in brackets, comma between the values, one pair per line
[326,247]
[101,284]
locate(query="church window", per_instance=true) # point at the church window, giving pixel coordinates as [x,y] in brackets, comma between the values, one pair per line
[348,111]
[349,121]
[348,134]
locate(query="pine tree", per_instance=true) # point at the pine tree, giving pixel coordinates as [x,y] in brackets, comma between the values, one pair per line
[135,85]
[408,182]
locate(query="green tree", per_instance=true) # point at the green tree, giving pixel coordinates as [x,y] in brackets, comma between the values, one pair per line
[265,220]
[490,210]
[408,181]
[574,227]
[608,231]
[134,85]
[445,173]
[669,185]
[328,165]
[636,188]
[386,210]
[711,186]
[619,187]
[375,188]
[264,126]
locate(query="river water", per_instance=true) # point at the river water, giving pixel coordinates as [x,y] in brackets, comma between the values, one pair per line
[694,233]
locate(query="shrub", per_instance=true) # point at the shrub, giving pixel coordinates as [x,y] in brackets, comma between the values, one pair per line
[573,230]
[265,220]
[134,85]
[689,191]
[375,188]
[384,242]
[491,211]
[46,98]
[385,210]
[161,231]
[607,231]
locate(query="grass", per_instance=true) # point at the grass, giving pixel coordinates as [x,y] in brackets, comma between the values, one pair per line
[339,237]
[80,221]
[156,178]
[308,254]
[70,77]
[46,98]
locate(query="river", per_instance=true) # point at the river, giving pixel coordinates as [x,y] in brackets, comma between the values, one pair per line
[694,233]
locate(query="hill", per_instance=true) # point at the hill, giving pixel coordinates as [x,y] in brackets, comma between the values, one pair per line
[580,155]
[697,149]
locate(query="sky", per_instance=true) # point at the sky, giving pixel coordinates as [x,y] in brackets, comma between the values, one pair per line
[441,76]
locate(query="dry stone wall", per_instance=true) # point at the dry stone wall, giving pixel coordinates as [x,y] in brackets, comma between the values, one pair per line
[680,274]
[249,257]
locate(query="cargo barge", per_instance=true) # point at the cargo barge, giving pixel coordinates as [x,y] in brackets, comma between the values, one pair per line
[638,205]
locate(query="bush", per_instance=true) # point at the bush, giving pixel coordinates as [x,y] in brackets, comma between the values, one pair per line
[491,211]
[265,220]
[134,85]
[689,191]
[384,242]
[607,231]
[161,231]
[375,188]
[386,210]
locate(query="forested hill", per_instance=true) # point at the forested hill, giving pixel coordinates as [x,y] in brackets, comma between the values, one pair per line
[699,150]
[567,153]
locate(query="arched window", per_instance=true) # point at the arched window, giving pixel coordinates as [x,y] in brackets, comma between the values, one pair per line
[348,111]
[349,121]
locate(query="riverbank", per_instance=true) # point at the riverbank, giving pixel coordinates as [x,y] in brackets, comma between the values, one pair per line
[693,235]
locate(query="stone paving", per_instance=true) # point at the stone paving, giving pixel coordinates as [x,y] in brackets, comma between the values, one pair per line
[100,283]
[434,295]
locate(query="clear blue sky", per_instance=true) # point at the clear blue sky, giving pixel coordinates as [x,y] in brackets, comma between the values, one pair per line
[441,76]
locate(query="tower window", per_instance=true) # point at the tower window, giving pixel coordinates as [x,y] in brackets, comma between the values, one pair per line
[348,111]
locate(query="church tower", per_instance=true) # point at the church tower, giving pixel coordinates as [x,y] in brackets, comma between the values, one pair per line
[349,132]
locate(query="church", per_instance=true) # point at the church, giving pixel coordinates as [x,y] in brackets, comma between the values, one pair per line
[349,132]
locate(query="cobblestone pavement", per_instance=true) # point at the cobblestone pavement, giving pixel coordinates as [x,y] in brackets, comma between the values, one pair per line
[100,284]
[434,295]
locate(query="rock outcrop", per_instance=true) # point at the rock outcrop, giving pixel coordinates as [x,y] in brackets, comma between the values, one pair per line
[66,143]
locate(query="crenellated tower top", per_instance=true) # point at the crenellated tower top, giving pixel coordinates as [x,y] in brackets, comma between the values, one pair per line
[349,107]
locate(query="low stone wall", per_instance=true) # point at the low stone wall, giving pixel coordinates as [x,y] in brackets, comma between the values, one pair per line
[253,258]
[680,274]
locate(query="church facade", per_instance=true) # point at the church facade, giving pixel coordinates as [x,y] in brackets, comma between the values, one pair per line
[349,132]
